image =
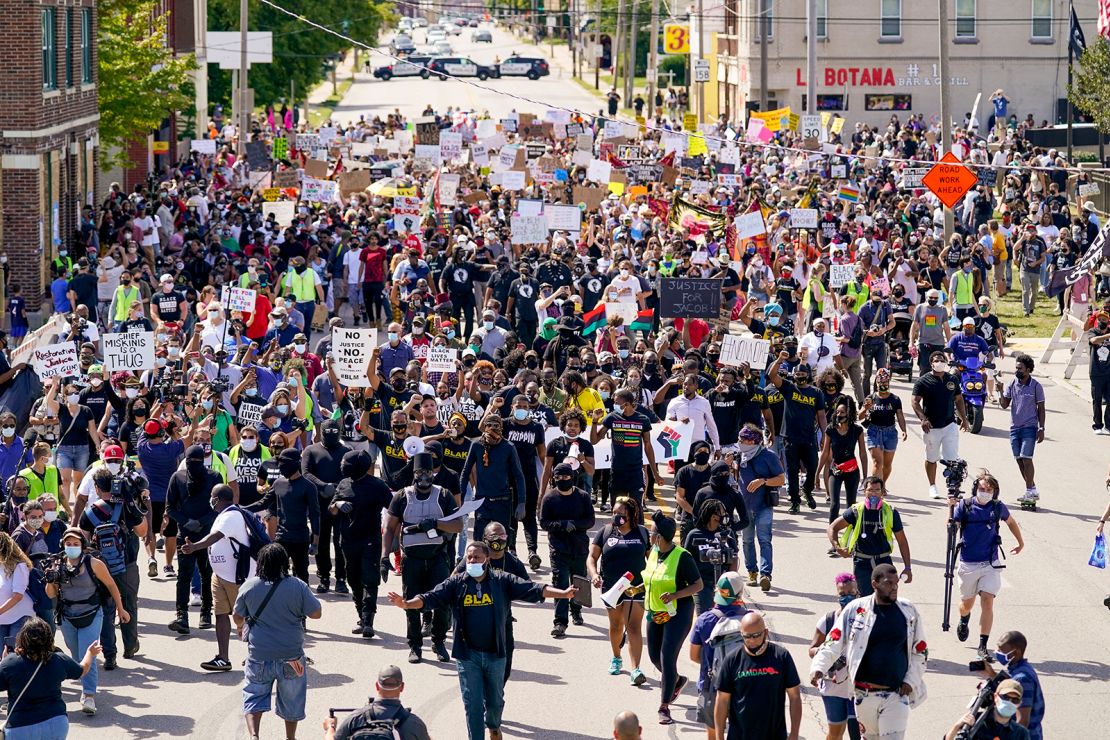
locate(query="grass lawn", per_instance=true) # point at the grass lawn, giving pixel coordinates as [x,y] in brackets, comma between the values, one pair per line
[1041,324]
[317,114]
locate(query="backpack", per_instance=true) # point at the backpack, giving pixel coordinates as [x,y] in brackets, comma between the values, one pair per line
[995,519]
[108,537]
[257,538]
[725,640]
[856,338]
[365,726]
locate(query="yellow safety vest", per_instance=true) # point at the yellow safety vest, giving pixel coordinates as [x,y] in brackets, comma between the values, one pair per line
[219,467]
[850,535]
[233,454]
[660,578]
[123,302]
[860,295]
[965,288]
[302,285]
[48,483]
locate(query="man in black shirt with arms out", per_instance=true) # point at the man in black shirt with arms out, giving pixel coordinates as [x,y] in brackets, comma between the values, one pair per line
[804,414]
[938,402]
[751,683]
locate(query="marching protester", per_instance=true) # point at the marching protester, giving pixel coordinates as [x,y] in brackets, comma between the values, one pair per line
[867,532]
[836,691]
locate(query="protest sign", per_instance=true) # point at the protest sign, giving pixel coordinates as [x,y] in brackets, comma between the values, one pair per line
[750,224]
[56,360]
[841,275]
[283,211]
[354,182]
[250,414]
[671,440]
[626,311]
[38,338]
[450,145]
[690,297]
[317,168]
[599,171]
[529,230]
[512,180]
[351,349]
[448,188]
[427,155]
[803,218]
[287,179]
[566,218]
[270,194]
[240,299]
[442,359]
[736,350]
[319,191]
[203,146]
[880,286]
[406,213]
[603,453]
[427,131]
[131,350]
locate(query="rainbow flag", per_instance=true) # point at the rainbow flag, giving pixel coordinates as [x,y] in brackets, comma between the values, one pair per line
[644,320]
[594,320]
[849,192]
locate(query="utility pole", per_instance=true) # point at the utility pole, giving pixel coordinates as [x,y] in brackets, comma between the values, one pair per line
[572,37]
[630,76]
[701,55]
[618,44]
[200,49]
[653,58]
[811,56]
[244,108]
[1067,100]
[945,115]
[763,26]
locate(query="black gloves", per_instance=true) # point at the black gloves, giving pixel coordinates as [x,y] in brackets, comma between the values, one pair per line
[384,568]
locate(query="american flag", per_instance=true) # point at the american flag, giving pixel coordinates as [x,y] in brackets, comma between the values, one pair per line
[1104,18]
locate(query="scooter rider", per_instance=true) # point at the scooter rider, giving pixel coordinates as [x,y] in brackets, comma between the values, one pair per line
[415,516]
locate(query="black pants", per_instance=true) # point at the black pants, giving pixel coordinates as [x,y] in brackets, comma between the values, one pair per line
[510,645]
[186,564]
[850,483]
[298,556]
[417,576]
[462,309]
[664,643]
[797,455]
[862,567]
[924,367]
[372,302]
[563,566]
[363,574]
[1100,401]
[128,584]
[323,554]
[495,510]
[531,504]
[526,330]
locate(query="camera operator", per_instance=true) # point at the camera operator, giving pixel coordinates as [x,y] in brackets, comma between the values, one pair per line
[713,546]
[114,523]
[997,721]
[384,708]
[1011,654]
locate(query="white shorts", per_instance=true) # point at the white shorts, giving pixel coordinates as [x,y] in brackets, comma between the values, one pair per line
[977,577]
[943,443]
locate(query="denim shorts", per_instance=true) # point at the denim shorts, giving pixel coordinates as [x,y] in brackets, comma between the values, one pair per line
[258,686]
[73,457]
[885,438]
[837,709]
[1023,441]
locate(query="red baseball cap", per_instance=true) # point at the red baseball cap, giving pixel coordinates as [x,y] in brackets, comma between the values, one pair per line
[153,428]
[113,452]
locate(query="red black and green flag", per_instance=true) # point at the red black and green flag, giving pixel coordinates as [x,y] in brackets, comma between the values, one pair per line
[644,320]
[594,320]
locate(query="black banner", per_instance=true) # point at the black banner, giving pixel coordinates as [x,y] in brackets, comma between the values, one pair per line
[1061,279]
[690,298]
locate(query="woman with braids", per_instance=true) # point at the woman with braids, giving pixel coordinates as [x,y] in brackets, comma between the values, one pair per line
[881,411]
[493,470]
[33,675]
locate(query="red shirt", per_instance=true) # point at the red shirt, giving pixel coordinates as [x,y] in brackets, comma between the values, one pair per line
[699,330]
[260,319]
[374,259]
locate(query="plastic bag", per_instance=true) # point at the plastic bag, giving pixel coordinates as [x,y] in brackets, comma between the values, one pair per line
[1098,554]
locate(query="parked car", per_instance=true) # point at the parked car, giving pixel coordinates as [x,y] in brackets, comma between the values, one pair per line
[435,34]
[460,67]
[421,22]
[482,35]
[473,23]
[517,66]
[413,66]
[402,44]
[442,48]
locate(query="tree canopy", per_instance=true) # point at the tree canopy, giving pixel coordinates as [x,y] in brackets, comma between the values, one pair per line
[1090,88]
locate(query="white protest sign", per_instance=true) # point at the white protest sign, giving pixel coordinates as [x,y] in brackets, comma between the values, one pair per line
[450,145]
[314,190]
[283,211]
[241,299]
[627,311]
[840,171]
[803,218]
[351,349]
[38,338]
[56,360]
[529,207]
[672,440]
[442,359]
[736,350]
[132,350]
[603,454]
[841,275]
[697,187]
[513,180]
[599,171]
[448,188]
[565,218]
[250,414]
[427,154]
[750,224]
[1088,189]
[203,146]
[529,230]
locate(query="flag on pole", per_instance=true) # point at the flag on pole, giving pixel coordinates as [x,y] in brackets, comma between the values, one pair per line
[644,320]
[1104,18]
[1076,41]
[594,320]
[849,193]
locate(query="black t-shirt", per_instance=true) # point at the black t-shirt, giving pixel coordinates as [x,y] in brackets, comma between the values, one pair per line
[390,400]
[884,410]
[169,305]
[394,457]
[590,287]
[784,294]
[872,542]
[84,285]
[628,442]
[800,412]
[622,553]
[886,660]
[691,480]
[727,411]
[460,277]
[43,698]
[938,397]
[499,284]
[455,452]
[843,446]
[525,437]
[478,617]
[524,292]
[986,326]
[757,686]
[474,411]
[75,428]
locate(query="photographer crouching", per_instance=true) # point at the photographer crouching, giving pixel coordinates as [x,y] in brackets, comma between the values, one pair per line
[115,523]
[993,714]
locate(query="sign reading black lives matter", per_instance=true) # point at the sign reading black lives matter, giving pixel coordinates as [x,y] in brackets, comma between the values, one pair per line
[690,298]
[131,350]
[351,349]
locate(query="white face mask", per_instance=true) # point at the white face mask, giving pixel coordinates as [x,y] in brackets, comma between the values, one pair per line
[96,382]
[50,516]
[248,445]
[132,392]
[300,348]
[73,398]
[940,367]
[984,497]
[113,467]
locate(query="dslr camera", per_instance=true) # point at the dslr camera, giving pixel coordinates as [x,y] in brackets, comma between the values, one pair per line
[54,569]
[720,550]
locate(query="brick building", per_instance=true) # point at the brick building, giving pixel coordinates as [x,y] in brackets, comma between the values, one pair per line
[48,132]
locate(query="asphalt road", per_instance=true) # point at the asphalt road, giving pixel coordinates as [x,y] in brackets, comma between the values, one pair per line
[560,688]
[369,96]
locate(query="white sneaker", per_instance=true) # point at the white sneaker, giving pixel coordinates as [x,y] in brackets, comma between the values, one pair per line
[1032,494]
[194,600]
[88,704]
[933,492]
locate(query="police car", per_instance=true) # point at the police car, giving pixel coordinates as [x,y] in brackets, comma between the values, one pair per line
[460,67]
[531,67]
[413,66]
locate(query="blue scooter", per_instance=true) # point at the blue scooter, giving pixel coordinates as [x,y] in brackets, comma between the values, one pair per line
[973,385]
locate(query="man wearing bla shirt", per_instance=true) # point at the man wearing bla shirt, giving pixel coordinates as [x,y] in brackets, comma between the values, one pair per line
[803,415]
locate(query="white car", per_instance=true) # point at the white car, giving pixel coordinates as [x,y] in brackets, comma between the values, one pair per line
[442,48]
[435,34]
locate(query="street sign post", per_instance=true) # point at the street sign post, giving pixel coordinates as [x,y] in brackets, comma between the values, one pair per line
[701,70]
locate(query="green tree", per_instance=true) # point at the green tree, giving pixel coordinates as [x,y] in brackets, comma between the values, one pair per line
[141,82]
[1090,88]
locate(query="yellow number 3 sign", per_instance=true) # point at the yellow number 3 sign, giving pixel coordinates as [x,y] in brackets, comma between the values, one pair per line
[676,38]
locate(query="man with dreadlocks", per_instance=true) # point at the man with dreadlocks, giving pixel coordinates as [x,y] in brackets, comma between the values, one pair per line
[493,470]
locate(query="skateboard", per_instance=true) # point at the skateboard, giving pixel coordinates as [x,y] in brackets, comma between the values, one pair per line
[1028,505]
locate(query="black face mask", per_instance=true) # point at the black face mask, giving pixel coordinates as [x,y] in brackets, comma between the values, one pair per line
[607,369]
[195,469]
[619,520]
[289,468]
[497,545]
[423,481]
[564,484]
[531,364]
[701,458]
[399,430]
[651,367]
[398,385]
[331,438]
[932,301]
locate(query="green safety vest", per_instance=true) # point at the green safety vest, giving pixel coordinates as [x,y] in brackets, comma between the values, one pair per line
[965,289]
[123,302]
[658,582]
[48,483]
[218,466]
[860,295]
[808,301]
[233,454]
[850,535]
[301,285]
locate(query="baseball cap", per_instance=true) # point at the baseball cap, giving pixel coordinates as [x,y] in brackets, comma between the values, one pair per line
[968,321]
[389,677]
[113,452]
[152,428]
[166,278]
[730,588]
[1010,686]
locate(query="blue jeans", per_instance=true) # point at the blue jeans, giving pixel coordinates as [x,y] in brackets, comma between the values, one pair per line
[78,641]
[55,728]
[482,680]
[259,677]
[760,529]
[9,631]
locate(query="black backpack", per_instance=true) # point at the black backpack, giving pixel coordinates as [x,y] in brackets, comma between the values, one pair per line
[257,538]
[856,338]
[365,726]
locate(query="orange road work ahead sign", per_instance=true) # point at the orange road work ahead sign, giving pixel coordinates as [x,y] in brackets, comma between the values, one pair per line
[949,180]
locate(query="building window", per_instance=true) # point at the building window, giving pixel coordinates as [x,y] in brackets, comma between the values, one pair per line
[887,102]
[965,19]
[86,46]
[822,19]
[1042,19]
[49,49]
[68,46]
[827,102]
[890,18]
[764,17]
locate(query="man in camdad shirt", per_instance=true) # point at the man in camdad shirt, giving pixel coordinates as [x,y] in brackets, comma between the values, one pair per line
[479,600]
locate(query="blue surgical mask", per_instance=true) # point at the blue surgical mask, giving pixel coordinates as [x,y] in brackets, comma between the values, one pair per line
[487,325]
[1005,708]
[1001,657]
[251,392]
[846,599]
[773,320]
[520,414]
[604,395]
[624,353]
[294,381]
[475,570]
[73,551]
[283,409]
[450,333]
[207,404]
[393,336]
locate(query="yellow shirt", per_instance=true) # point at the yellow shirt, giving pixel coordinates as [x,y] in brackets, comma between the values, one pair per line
[587,400]
[998,245]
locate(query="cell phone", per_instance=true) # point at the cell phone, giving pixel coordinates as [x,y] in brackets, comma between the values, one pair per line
[977,666]
[584,596]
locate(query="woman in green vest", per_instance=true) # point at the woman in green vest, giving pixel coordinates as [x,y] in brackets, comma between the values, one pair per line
[813,302]
[671,579]
[41,477]
[125,295]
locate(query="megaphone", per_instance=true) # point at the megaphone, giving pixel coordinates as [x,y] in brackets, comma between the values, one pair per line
[613,595]
[413,446]
[572,462]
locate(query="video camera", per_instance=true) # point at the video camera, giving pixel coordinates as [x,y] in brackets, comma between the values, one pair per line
[54,569]
[219,385]
[720,550]
[955,473]
[982,705]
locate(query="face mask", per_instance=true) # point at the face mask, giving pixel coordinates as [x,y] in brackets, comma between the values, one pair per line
[487,325]
[619,520]
[701,458]
[984,497]
[932,301]
[96,382]
[289,468]
[113,467]
[1001,658]
[50,516]
[392,336]
[283,409]
[521,414]
[248,444]
[73,551]
[252,392]
[159,361]
[207,404]
[300,348]
[623,353]
[1005,708]
[173,351]
[873,503]
[564,484]
[450,333]
[801,380]
[845,600]
[840,419]
[882,387]
[9,431]
[940,367]
[497,545]
[73,398]
[773,320]
[35,522]
[475,570]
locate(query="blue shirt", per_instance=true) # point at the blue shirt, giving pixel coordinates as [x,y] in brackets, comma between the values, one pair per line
[980,533]
[764,465]
[963,347]
[58,290]
[284,336]
[1023,402]
[703,628]
[390,357]
[159,462]
[11,458]
[1031,695]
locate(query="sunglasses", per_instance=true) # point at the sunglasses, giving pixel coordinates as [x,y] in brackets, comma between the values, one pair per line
[753,635]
